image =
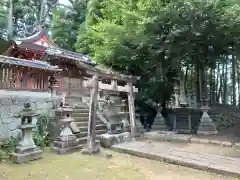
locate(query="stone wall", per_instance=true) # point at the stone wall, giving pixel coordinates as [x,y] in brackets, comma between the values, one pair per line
[11,103]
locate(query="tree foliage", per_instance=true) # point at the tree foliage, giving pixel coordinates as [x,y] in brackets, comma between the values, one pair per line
[154,39]
[66,22]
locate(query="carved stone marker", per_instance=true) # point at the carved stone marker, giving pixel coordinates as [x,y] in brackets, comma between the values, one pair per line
[26,149]
[66,142]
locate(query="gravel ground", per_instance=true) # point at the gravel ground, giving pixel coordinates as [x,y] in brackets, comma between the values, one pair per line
[119,167]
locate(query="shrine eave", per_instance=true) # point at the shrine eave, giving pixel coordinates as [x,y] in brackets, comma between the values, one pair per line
[104,74]
[65,54]
[27,63]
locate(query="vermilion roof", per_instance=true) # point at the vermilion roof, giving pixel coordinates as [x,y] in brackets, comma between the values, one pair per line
[41,42]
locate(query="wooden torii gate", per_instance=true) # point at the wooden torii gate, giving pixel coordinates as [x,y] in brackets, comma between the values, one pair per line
[94,84]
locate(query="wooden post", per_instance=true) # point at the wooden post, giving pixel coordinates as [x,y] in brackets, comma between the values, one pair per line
[91,146]
[131,109]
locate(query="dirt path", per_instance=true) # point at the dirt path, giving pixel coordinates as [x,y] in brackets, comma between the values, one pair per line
[120,167]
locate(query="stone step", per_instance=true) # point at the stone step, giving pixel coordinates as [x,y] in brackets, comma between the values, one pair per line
[157,122]
[80,124]
[182,122]
[84,119]
[98,132]
[182,117]
[80,115]
[98,127]
[81,105]
[77,111]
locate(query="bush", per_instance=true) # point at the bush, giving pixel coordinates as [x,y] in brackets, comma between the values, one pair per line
[41,136]
[7,147]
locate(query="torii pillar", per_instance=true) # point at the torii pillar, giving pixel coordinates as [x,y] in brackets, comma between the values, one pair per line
[131,109]
[92,146]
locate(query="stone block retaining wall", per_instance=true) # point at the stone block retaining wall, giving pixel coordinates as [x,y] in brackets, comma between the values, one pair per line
[12,102]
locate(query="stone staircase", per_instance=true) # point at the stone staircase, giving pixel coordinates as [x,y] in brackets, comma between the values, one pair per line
[80,115]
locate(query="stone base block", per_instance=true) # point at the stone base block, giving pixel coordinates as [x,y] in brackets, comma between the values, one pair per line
[67,138]
[207,128]
[184,131]
[65,144]
[91,149]
[108,140]
[161,127]
[67,150]
[29,156]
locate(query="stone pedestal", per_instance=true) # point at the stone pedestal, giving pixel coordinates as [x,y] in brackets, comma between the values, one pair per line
[26,149]
[66,142]
[91,147]
[139,126]
[206,126]
[125,122]
[182,120]
[159,121]
[108,140]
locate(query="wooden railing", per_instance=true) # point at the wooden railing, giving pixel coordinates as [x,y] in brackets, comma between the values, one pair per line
[19,78]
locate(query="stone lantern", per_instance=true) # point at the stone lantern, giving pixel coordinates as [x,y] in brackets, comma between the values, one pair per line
[66,142]
[26,149]
[159,121]
[206,126]
[53,86]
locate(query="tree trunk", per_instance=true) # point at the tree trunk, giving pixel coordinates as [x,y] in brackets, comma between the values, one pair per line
[225,89]
[198,88]
[186,80]
[10,20]
[234,77]
[217,83]
[211,77]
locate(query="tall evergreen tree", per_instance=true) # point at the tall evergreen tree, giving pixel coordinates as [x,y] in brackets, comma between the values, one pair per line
[66,22]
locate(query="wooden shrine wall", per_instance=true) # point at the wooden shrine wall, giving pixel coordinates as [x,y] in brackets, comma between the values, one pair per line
[22,78]
[71,82]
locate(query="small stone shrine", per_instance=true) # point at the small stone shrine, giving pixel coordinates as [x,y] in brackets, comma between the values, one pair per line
[124,116]
[111,112]
[116,114]
[26,149]
[66,142]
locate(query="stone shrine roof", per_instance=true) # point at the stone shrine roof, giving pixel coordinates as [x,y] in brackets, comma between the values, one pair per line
[32,64]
